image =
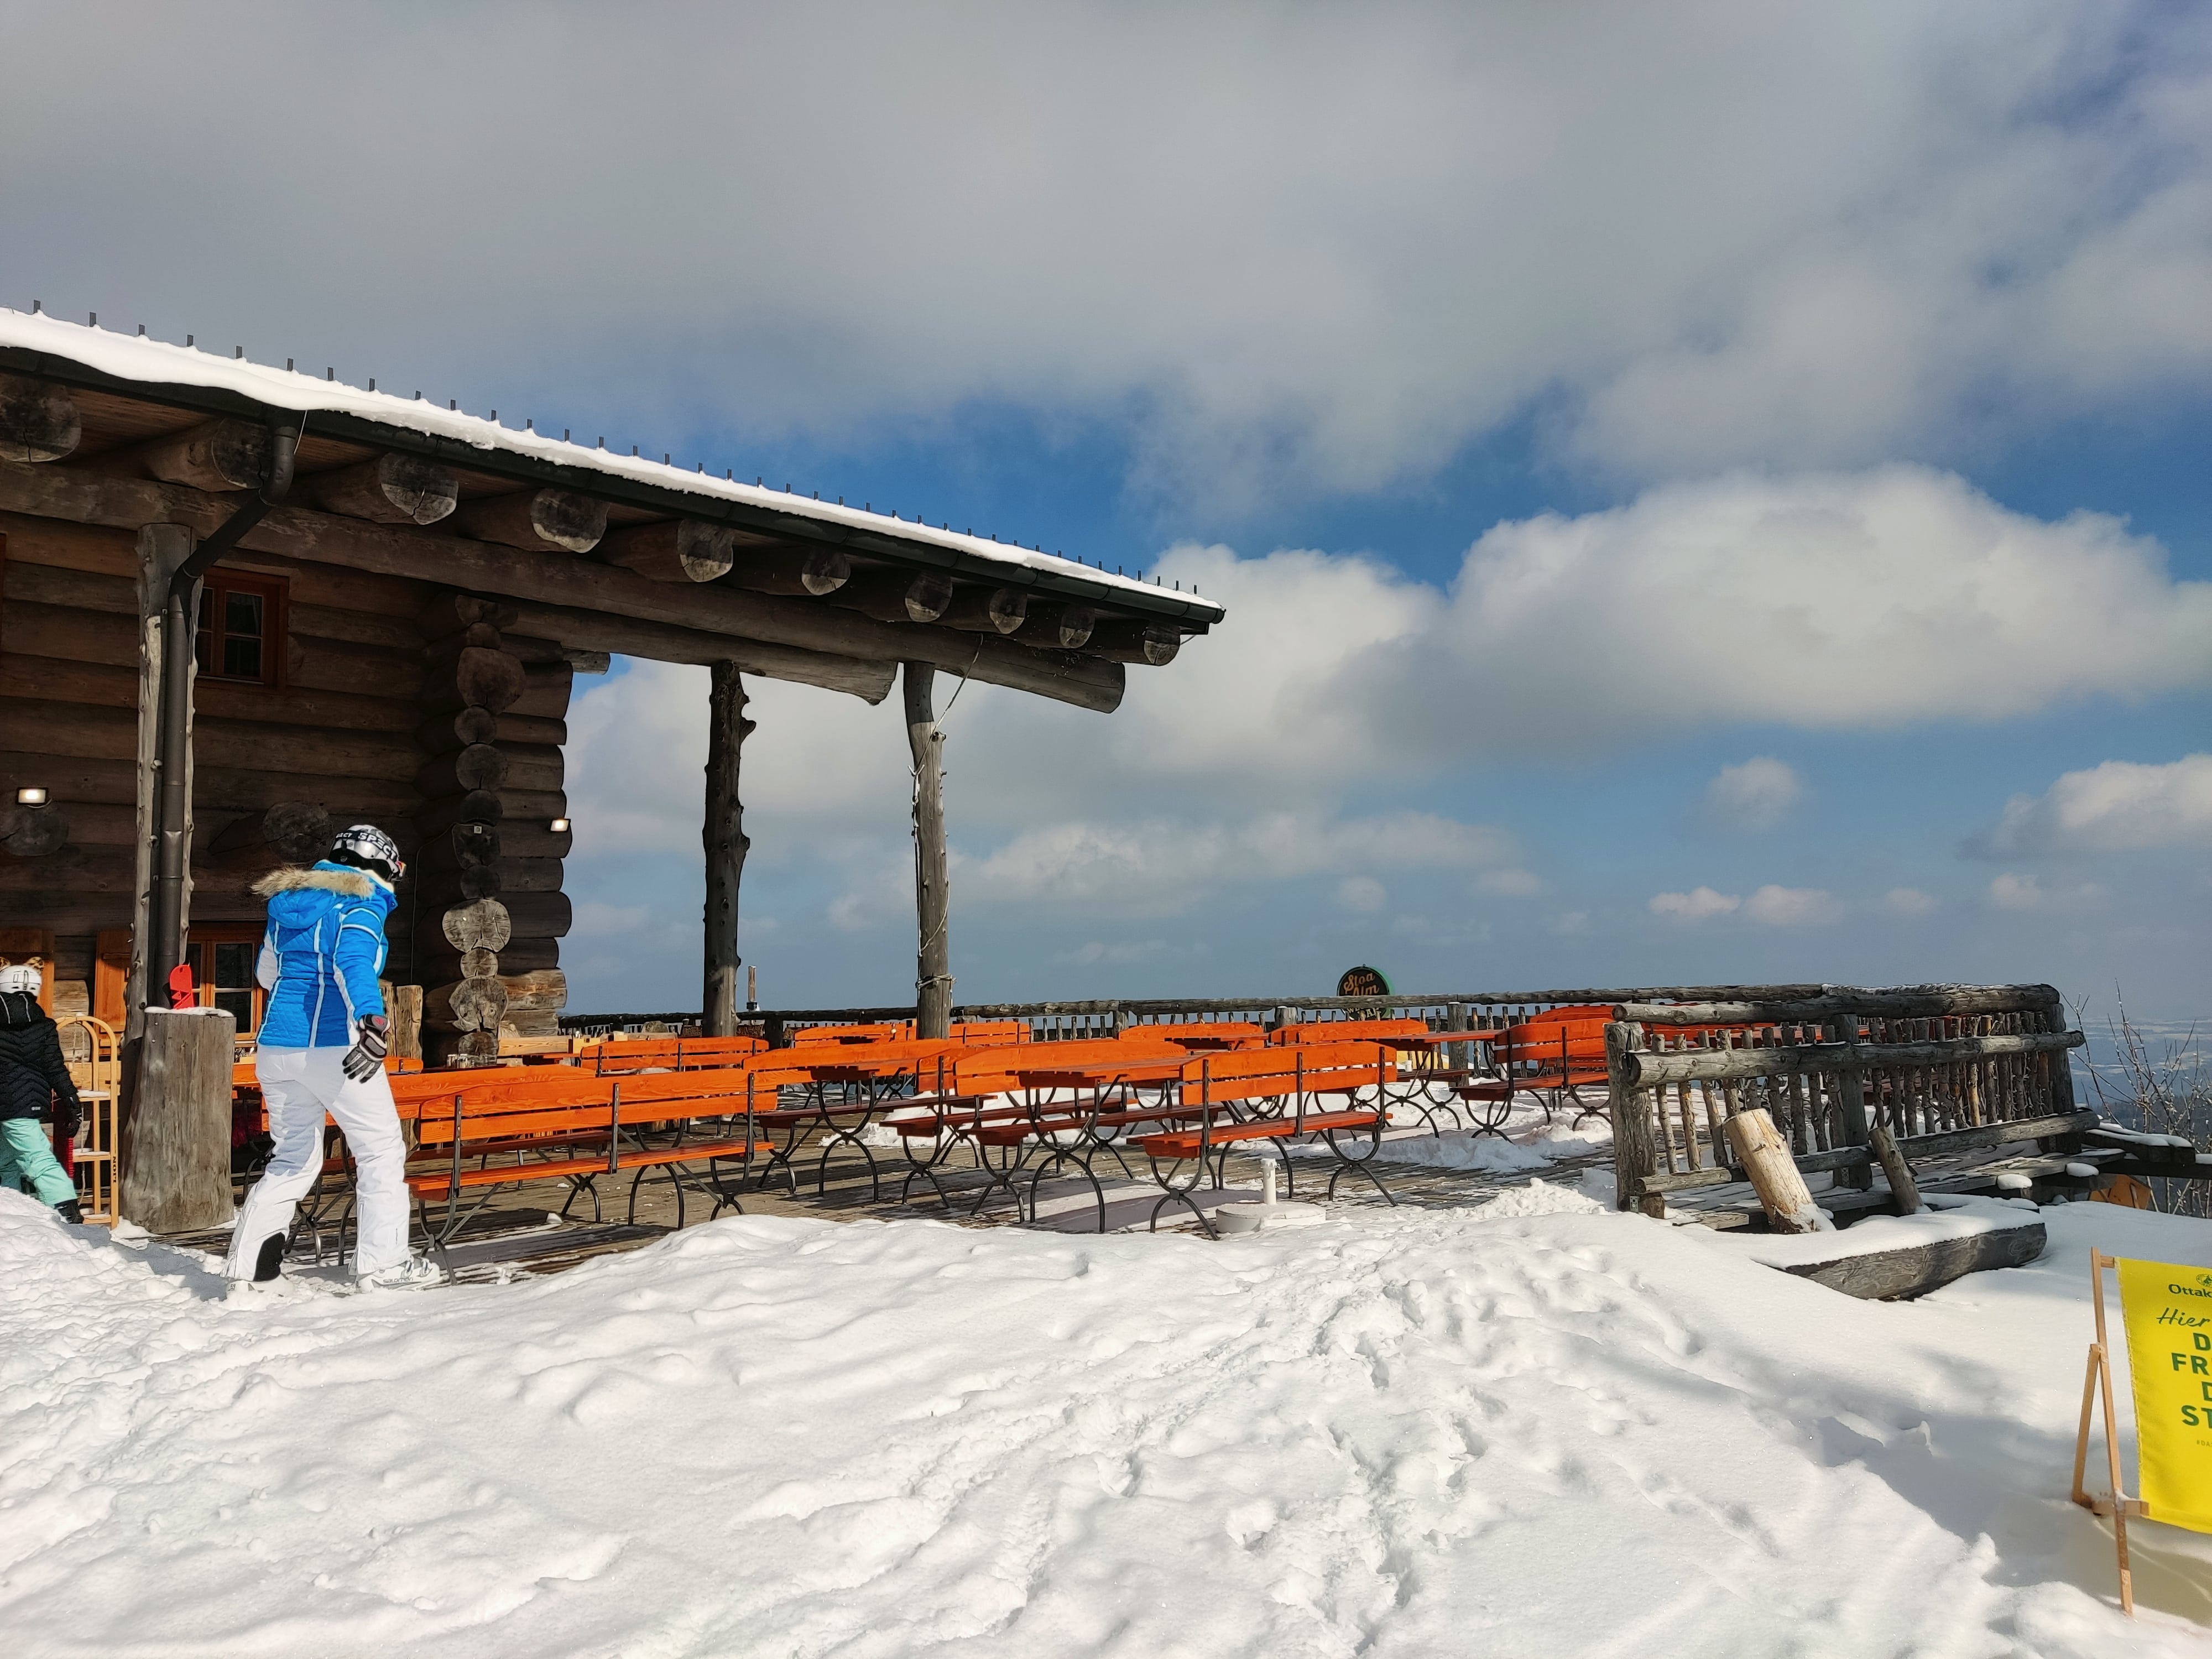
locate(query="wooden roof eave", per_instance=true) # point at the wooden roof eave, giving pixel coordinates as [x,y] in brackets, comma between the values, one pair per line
[1188,613]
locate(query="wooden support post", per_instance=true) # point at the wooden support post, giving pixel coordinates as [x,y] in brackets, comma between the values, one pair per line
[1766,1158]
[161,549]
[932,987]
[723,834]
[176,1140]
[1902,1186]
[1850,1083]
[405,1006]
[1634,1155]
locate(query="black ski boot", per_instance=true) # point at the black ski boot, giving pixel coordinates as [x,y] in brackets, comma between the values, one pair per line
[272,1260]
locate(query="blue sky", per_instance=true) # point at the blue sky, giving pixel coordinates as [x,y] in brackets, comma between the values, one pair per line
[1644,451]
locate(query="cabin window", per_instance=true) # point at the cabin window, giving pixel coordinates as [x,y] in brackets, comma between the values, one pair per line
[241,628]
[222,955]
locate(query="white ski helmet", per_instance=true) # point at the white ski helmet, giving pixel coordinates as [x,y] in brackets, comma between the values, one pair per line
[368,846]
[20,979]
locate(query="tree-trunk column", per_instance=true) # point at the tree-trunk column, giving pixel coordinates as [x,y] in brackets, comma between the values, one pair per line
[723,834]
[933,989]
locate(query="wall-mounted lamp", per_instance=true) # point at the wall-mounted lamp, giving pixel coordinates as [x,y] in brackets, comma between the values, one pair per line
[30,795]
[559,826]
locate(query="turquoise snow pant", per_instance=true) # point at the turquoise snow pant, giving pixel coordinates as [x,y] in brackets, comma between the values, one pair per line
[27,1155]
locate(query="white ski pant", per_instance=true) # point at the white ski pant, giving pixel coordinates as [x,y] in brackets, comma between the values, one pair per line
[298,1086]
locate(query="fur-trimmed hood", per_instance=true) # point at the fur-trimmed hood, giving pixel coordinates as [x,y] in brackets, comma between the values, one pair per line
[328,878]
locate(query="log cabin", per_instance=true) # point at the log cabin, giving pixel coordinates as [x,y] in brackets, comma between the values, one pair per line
[241,604]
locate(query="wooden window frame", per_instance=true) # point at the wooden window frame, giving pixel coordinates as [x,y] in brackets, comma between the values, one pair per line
[212,933]
[275,592]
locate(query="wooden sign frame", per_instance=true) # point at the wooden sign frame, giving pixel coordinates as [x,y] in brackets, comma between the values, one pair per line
[2097,1381]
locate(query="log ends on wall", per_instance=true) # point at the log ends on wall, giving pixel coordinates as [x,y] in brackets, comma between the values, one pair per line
[988,610]
[1058,626]
[1154,644]
[290,832]
[1055,670]
[219,455]
[680,550]
[388,489]
[38,420]
[536,519]
[794,572]
[895,596]
[33,832]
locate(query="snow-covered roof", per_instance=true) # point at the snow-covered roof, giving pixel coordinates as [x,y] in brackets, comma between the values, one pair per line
[143,361]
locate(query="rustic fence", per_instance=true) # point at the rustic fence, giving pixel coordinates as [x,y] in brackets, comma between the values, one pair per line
[1944,1068]
[1446,1010]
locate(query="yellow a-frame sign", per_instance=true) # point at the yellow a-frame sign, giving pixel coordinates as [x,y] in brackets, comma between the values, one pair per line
[2167,1312]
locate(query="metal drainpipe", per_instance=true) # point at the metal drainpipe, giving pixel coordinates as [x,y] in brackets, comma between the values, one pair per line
[173,734]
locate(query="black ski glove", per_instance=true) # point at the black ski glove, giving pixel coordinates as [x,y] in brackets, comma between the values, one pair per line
[365,1058]
[68,1118]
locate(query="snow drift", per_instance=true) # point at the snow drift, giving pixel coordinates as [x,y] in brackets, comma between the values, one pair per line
[1548,1430]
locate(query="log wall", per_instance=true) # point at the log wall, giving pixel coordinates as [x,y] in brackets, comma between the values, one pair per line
[364,726]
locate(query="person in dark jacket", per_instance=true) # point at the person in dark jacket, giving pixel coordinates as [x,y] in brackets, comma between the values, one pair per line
[34,1078]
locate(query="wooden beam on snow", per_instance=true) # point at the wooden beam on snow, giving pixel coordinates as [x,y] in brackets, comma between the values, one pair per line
[86,497]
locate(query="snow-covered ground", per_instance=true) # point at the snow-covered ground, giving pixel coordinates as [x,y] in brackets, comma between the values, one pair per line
[1532,1428]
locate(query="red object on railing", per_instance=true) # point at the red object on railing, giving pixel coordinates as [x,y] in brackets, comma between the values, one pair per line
[181,994]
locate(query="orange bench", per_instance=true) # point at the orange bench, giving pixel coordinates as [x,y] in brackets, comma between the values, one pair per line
[959,1102]
[667,1054]
[1288,1077]
[1196,1034]
[1347,1030]
[563,1123]
[1557,1055]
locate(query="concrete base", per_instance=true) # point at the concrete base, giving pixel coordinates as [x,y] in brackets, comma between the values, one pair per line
[1253,1218]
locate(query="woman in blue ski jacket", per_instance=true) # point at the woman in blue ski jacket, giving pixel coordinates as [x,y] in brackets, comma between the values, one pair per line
[321,1050]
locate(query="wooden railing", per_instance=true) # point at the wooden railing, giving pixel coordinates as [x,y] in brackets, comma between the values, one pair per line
[1445,1010]
[1944,1068]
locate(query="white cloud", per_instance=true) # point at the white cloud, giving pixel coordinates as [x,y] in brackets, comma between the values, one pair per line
[1861,601]
[1754,794]
[2119,807]
[1311,248]
[2024,890]
[1509,883]
[1694,906]
[1770,906]
[1162,867]
[1098,953]
[1791,906]
[1908,901]
[1362,893]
